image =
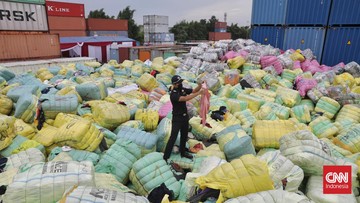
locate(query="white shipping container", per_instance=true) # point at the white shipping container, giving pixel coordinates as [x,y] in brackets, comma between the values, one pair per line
[22,16]
[156,28]
[155,19]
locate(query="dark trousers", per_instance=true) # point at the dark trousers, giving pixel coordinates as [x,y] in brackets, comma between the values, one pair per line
[183,127]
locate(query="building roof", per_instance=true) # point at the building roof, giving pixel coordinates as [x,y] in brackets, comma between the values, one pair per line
[92,39]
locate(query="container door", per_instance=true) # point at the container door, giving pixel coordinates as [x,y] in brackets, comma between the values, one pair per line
[342,45]
[268,35]
[95,52]
[123,54]
[144,55]
[114,54]
[305,38]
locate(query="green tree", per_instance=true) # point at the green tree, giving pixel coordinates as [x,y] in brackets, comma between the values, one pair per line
[211,24]
[180,31]
[133,28]
[238,32]
[99,14]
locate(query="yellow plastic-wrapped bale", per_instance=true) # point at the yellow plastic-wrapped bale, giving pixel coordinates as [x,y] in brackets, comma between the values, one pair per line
[236,62]
[282,112]
[203,132]
[236,105]
[25,108]
[109,115]
[212,150]
[268,133]
[6,105]
[93,64]
[113,63]
[349,140]
[46,135]
[149,117]
[344,79]
[301,113]
[296,56]
[6,89]
[224,91]
[288,96]
[267,95]
[327,106]
[336,151]
[308,103]
[147,82]
[28,144]
[240,177]
[69,90]
[246,117]
[126,64]
[349,111]
[289,75]
[344,125]
[169,69]
[258,74]
[266,113]
[323,127]
[78,133]
[83,79]
[7,130]
[24,129]
[254,103]
[44,74]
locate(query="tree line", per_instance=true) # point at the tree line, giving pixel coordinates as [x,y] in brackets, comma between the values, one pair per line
[183,31]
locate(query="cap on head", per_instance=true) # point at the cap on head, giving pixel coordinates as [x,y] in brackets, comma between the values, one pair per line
[223,109]
[176,79]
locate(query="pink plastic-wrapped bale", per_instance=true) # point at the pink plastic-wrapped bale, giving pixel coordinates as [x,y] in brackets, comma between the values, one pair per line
[303,85]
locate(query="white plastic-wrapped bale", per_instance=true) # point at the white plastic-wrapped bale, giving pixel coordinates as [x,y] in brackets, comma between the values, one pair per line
[281,168]
[271,196]
[31,155]
[99,195]
[47,182]
[306,151]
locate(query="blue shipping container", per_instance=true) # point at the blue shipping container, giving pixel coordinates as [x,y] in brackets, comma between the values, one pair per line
[342,45]
[308,12]
[268,12]
[268,35]
[345,12]
[305,38]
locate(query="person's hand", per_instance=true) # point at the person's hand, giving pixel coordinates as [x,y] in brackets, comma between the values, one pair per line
[201,91]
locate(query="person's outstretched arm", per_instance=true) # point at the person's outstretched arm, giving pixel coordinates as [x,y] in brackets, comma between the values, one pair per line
[190,96]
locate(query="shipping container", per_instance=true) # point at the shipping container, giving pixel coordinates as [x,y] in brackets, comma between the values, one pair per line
[144,54]
[308,12]
[96,24]
[159,37]
[220,29]
[114,54]
[345,12]
[69,33]
[220,25]
[29,1]
[156,28]
[65,9]
[342,45]
[155,19]
[66,23]
[305,38]
[29,46]
[22,17]
[216,36]
[124,54]
[108,33]
[268,12]
[168,54]
[268,35]
[156,53]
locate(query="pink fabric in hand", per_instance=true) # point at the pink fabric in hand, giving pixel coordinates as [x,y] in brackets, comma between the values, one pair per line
[204,104]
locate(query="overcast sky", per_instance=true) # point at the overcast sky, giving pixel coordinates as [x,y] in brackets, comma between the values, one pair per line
[238,11]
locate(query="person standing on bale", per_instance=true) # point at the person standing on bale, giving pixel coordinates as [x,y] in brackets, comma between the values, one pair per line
[180,120]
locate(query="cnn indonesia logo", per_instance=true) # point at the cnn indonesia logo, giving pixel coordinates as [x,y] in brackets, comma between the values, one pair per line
[337,180]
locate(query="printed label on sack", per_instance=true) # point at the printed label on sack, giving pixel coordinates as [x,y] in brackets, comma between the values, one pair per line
[337,180]
[104,194]
[55,167]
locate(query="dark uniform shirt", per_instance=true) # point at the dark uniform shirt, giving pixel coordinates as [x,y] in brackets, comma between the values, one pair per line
[179,108]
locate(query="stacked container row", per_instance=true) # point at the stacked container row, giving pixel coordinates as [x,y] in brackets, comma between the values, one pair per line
[66,19]
[303,24]
[219,32]
[24,31]
[156,30]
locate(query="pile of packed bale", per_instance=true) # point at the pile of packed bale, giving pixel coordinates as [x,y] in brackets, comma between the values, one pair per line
[96,132]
